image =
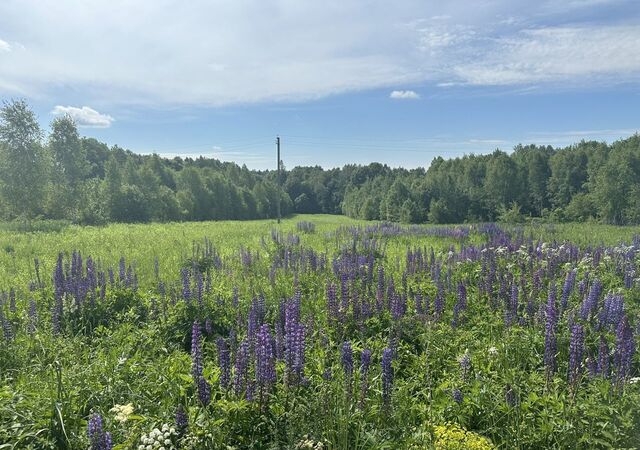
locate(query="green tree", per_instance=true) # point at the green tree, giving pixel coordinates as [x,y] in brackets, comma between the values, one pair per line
[24,164]
[502,183]
[70,166]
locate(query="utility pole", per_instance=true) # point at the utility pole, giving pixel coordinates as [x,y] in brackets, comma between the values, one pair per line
[278,202]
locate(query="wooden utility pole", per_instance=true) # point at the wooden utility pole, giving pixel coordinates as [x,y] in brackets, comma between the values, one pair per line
[278,202]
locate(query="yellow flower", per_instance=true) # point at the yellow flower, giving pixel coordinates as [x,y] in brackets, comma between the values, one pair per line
[122,412]
[452,437]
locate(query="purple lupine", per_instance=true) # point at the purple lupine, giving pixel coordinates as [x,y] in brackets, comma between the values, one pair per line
[265,360]
[590,303]
[7,330]
[397,306]
[387,376]
[56,314]
[417,299]
[550,332]
[99,440]
[603,358]
[199,288]
[59,278]
[241,367]
[612,311]
[625,348]
[224,361]
[253,322]
[204,391]
[576,349]
[197,366]
[346,357]
[182,421]
[465,364]
[457,395]
[511,311]
[208,326]
[629,275]
[332,302]
[294,336]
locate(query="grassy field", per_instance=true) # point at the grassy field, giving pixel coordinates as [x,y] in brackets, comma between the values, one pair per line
[172,243]
[321,332]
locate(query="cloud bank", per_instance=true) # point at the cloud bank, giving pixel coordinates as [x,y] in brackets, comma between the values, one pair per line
[213,53]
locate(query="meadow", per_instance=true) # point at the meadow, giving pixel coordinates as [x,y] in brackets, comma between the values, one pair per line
[321,332]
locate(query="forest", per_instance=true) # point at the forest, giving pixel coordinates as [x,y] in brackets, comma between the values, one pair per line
[62,175]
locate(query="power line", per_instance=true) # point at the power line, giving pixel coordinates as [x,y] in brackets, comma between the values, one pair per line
[279,183]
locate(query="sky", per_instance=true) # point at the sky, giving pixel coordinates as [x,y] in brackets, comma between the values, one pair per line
[341,81]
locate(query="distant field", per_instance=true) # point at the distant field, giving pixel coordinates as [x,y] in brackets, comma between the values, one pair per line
[172,242]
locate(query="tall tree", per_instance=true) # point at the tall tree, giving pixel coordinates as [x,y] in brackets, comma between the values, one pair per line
[23,161]
[70,165]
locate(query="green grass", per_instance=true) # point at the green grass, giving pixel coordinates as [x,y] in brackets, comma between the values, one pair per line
[171,243]
[118,352]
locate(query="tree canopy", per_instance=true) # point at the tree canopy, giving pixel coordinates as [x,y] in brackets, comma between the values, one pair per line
[67,176]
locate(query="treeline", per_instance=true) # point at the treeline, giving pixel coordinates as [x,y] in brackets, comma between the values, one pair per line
[586,181]
[66,176]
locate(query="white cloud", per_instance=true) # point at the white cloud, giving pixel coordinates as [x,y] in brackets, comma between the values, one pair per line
[574,54]
[404,95]
[85,117]
[215,52]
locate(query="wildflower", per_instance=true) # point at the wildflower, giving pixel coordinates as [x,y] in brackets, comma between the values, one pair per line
[265,360]
[197,366]
[97,436]
[457,395]
[550,333]
[625,348]
[224,361]
[576,348]
[122,412]
[182,421]
[240,368]
[347,359]
[465,363]
[365,363]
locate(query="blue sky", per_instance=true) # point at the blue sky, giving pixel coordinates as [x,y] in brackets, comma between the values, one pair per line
[347,81]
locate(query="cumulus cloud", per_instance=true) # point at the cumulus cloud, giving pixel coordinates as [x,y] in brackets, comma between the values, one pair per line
[85,117]
[404,95]
[4,46]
